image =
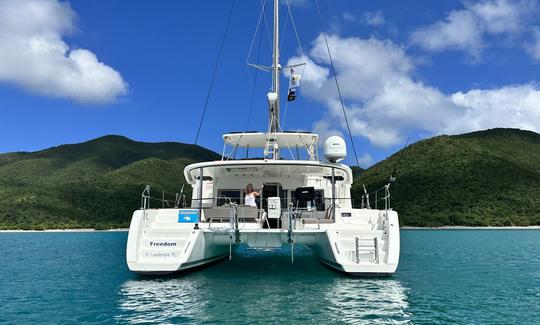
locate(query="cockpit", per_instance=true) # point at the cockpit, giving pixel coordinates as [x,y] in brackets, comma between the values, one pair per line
[279,186]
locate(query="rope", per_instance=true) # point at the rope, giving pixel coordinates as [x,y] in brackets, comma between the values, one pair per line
[215,70]
[337,83]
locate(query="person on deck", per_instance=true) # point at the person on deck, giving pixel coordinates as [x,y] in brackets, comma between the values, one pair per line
[249,199]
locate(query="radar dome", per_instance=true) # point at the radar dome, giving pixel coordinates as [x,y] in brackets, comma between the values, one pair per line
[335,149]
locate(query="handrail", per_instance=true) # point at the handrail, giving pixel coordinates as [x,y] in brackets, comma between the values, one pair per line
[180,199]
[146,199]
[290,223]
[386,198]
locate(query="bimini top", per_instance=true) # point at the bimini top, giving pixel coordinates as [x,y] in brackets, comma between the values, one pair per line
[261,140]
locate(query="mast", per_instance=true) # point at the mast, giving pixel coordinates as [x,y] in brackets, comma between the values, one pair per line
[273,96]
[276,68]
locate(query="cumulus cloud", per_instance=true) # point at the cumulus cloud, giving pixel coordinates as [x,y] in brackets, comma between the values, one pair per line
[466,30]
[34,56]
[516,106]
[384,101]
[459,31]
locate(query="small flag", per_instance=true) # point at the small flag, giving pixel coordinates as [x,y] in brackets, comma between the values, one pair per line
[292,95]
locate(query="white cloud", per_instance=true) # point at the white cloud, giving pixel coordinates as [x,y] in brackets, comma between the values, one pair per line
[466,30]
[384,102]
[365,160]
[34,56]
[502,16]
[534,48]
[371,18]
[374,18]
[516,106]
[459,31]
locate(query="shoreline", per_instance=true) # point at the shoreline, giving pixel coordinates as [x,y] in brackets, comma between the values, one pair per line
[67,230]
[472,228]
[401,228]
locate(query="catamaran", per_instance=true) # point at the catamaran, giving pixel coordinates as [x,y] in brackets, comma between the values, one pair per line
[304,200]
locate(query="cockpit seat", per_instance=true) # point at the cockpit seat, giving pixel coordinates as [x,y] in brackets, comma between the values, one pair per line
[223,213]
[316,220]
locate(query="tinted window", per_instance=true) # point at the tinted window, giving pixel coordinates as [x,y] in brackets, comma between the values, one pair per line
[234,195]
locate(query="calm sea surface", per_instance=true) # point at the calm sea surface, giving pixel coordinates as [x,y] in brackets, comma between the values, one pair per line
[455,276]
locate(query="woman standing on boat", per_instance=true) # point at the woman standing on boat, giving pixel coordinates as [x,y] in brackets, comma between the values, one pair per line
[249,199]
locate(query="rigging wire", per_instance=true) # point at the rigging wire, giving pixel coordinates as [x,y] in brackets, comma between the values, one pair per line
[215,69]
[252,94]
[294,27]
[267,29]
[337,83]
[263,5]
[289,14]
[284,28]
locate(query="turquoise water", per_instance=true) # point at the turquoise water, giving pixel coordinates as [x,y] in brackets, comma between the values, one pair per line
[463,277]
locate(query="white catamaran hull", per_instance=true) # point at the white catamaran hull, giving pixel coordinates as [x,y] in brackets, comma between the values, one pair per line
[302,200]
[365,244]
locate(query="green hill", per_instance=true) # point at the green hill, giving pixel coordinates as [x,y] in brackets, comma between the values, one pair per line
[483,178]
[477,179]
[96,184]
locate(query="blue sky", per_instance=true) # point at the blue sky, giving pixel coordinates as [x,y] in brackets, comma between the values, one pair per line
[73,71]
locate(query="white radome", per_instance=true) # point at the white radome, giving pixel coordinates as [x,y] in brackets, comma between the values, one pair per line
[335,149]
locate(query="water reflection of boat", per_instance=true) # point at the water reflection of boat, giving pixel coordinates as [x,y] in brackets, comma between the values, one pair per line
[235,292]
[161,301]
[290,298]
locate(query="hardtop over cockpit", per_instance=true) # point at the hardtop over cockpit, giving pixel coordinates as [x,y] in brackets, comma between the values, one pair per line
[267,145]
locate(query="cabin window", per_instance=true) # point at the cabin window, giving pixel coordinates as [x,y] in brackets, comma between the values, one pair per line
[319,200]
[234,195]
[317,203]
[284,194]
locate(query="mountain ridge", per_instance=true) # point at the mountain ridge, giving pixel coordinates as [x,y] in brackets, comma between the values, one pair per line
[93,184]
[482,178]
